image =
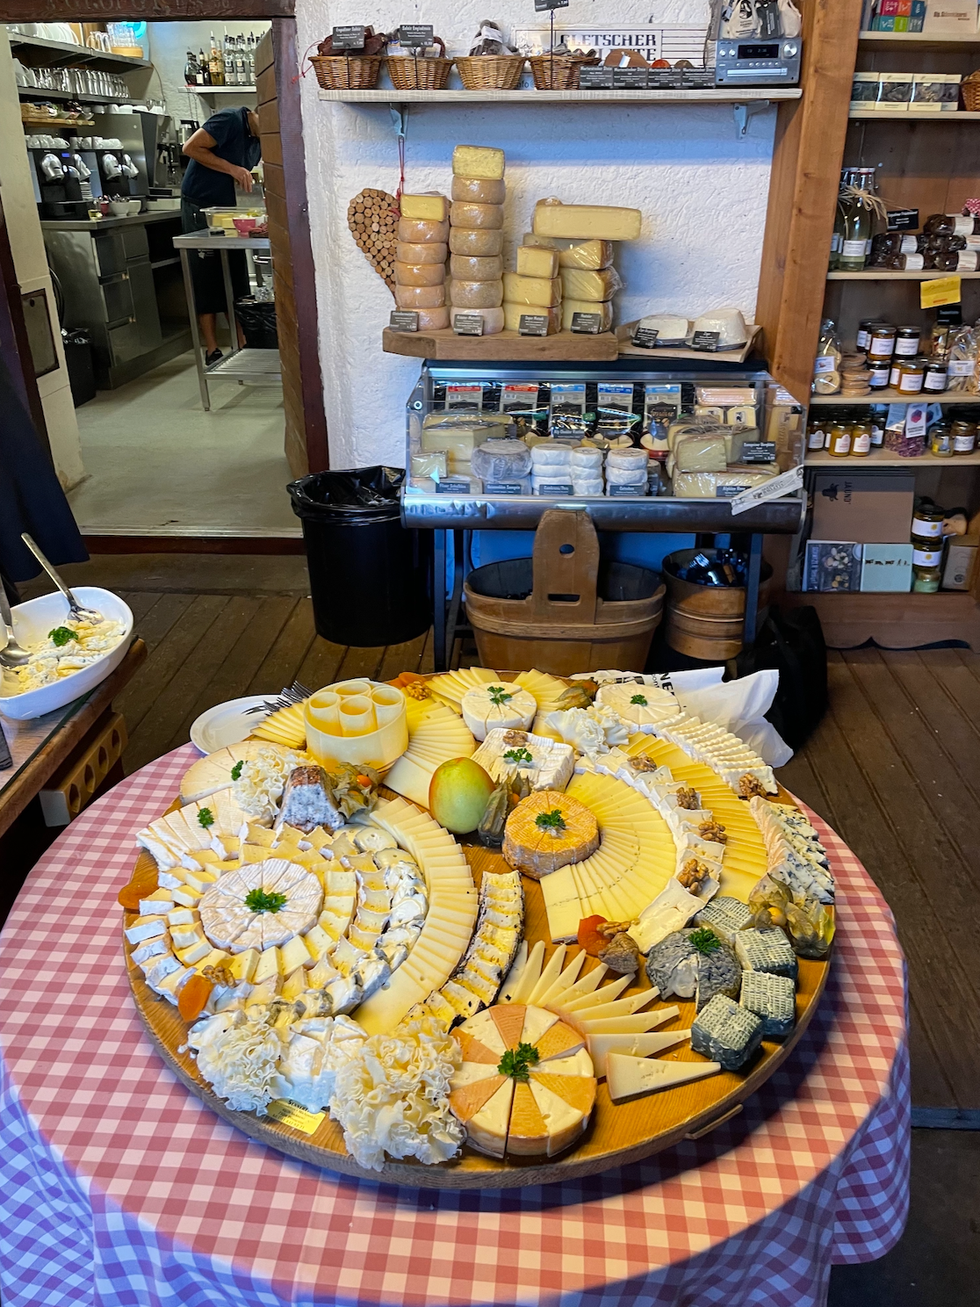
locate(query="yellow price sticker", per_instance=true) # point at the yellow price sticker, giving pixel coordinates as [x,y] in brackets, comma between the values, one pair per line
[292,1114]
[943,290]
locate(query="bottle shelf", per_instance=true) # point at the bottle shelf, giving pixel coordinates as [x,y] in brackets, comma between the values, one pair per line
[889,396]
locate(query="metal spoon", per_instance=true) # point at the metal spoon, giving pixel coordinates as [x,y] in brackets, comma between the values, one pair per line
[11,655]
[76,610]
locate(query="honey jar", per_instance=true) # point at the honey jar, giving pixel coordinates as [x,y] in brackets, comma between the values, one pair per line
[964,437]
[927,525]
[941,441]
[839,441]
[911,376]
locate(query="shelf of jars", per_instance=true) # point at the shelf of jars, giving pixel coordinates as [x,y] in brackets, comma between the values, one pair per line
[892,396]
[887,274]
[918,40]
[917,115]
[882,458]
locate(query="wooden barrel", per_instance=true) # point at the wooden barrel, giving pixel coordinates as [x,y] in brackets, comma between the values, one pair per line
[706,621]
[564,610]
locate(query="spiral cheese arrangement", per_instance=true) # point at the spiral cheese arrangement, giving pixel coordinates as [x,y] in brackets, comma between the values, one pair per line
[359,722]
[476,238]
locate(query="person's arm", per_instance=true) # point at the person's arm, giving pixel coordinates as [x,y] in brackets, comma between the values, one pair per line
[200,148]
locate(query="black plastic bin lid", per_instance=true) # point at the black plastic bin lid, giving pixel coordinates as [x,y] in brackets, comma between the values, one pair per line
[352,496]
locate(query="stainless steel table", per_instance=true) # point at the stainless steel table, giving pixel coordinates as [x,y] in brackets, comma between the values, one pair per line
[251,367]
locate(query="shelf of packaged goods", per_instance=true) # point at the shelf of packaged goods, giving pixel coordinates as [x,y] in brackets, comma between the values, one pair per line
[875,459]
[885,274]
[721,95]
[921,40]
[919,115]
[889,396]
[33,49]
[233,90]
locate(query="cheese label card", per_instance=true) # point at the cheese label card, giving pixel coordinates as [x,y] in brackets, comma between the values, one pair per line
[403,320]
[614,490]
[903,219]
[645,337]
[542,6]
[630,79]
[943,290]
[595,79]
[533,324]
[449,487]
[414,36]
[758,451]
[291,1114]
[785,484]
[347,38]
[468,324]
[555,488]
[503,488]
[705,340]
[589,324]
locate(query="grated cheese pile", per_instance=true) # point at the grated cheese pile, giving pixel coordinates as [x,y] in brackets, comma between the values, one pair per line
[51,662]
[263,778]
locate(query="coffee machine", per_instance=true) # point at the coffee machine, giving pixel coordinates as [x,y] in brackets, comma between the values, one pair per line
[57,175]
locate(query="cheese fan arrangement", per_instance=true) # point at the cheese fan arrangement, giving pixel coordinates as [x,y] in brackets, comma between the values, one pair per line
[631,938]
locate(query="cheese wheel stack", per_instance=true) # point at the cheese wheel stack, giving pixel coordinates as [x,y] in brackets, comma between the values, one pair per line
[543,1109]
[420,259]
[535,288]
[476,238]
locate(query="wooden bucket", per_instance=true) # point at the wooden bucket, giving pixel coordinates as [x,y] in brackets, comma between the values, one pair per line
[706,621]
[564,610]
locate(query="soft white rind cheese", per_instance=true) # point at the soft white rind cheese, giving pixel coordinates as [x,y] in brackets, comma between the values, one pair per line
[498,704]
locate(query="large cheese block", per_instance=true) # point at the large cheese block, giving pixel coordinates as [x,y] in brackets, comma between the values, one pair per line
[591,255]
[481,242]
[538,291]
[480,161]
[420,297]
[423,231]
[549,830]
[498,703]
[570,307]
[537,261]
[580,284]
[586,221]
[475,267]
[476,294]
[514,312]
[407,252]
[419,274]
[432,206]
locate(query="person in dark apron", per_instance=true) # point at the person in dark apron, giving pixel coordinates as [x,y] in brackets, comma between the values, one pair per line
[222,155]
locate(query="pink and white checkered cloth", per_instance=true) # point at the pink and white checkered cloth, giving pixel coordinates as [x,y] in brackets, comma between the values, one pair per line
[119,1187]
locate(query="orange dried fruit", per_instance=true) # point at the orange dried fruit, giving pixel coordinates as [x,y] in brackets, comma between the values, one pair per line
[193,996]
[589,937]
[141,886]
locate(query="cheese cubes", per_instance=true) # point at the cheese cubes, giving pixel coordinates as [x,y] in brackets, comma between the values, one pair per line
[420,258]
[476,218]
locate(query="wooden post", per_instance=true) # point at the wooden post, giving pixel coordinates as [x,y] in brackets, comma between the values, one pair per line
[803,188]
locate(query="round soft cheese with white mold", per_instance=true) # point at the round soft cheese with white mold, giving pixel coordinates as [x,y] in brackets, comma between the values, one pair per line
[499,703]
[231,923]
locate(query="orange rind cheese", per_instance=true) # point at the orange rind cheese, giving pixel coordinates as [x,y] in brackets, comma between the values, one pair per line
[537,843]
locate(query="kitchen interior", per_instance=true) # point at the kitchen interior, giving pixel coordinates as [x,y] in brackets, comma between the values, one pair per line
[168,446]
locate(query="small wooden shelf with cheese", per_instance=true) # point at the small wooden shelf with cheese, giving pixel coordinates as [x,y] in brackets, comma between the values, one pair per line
[503,346]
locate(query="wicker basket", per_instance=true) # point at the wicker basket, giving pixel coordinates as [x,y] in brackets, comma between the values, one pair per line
[558,72]
[970,91]
[338,72]
[425,74]
[491,72]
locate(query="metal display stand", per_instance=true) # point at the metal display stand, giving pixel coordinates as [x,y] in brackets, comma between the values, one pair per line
[251,367]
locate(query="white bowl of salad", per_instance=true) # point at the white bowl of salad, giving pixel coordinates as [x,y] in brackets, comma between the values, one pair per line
[68,659]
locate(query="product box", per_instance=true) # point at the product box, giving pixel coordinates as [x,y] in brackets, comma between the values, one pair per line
[886,568]
[903,7]
[864,90]
[961,558]
[873,507]
[895,89]
[928,92]
[951,17]
[832,566]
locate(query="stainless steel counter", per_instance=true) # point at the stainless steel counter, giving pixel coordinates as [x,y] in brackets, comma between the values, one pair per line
[108,224]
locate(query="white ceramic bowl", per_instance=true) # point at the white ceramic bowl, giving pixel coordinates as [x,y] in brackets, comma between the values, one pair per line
[33,620]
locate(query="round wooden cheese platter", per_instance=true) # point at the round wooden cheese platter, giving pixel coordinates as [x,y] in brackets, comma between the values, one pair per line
[618,1133]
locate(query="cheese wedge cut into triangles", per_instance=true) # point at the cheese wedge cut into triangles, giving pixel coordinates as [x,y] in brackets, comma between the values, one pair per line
[627,1077]
[436,736]
[468,1099]
[655,1041]
[638,1024]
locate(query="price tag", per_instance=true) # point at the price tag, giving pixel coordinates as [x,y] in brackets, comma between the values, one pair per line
[784,484]
[555,488]
[533,324]
[614,491]
[347,38]
[403,320]
[446,487]
[542,6]
[589,324]
[903,219]
[944,290]
[758,451]
[595,79]
[630,79]
[503,488]
[468,324]
[292,1114]
[705,340]
[645,337]
[414,36]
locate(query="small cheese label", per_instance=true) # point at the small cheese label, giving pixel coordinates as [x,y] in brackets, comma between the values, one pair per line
[555,488]
[542,6]
[705,340]
[615,490]
[414,36]
[902,219]
[503,488]
[595,79]
[758,451]
[468,324]
[285,1111]
[630,79]
[347,38]
[645,337]
[533,324]
[403,320]
[446,487]
[589,324]
[943,290]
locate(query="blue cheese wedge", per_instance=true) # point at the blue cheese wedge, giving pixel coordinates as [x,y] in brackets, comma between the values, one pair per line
[726,1032]
[547,764]
[766,950]
[771,998]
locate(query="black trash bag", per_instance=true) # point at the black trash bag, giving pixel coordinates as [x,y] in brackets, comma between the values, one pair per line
[792,641]
[258,322]
[334,496]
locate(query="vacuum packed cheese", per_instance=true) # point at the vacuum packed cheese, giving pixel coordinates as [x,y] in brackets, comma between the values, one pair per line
[482,161]
[473,267]
[423,231]
[579,284]
[420,297]
[502,460]
[729,324]
[670,329]
[457,435]
[419,274]
[482,217]
[570,307]
[590,255]
[514,312]
[493,318]
[479,241]
[709,485]
[532,290]
[432,206]
[406,252]
[586,221]
[433,319]
[537,261]
[479,190]
[476,294]
[706,453]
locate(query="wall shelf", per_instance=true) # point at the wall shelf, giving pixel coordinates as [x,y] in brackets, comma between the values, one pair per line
[884,274]
[40,93]
[876,458]
[50,54]
[916,115]
[205,91]
[720,95]
[920,40]
[889,396]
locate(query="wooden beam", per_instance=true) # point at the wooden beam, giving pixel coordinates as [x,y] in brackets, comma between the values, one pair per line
[803,188]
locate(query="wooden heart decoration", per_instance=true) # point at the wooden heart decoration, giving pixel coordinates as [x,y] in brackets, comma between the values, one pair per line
[372,217]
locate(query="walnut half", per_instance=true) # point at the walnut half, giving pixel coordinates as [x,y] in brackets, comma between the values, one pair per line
[749,786]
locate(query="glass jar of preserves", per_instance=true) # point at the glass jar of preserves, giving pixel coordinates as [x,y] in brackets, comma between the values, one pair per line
[927,555]
[839,441]
[861,439]
[877,416]
[907,341]
[935,377]
[912,375]
[926,580]
[882,343]
[927,524]
[964,437]
[863,337]
[816,435]
[941,441]
[879,372]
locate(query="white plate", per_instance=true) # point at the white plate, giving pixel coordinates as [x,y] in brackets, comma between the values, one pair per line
[228,723]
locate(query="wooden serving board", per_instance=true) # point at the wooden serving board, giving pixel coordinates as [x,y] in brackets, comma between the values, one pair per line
[618,1133]
[504,346]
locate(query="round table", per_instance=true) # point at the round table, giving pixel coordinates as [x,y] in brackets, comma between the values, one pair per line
[119,1187]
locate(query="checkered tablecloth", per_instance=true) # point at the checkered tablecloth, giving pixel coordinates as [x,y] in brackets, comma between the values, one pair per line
[118,1187]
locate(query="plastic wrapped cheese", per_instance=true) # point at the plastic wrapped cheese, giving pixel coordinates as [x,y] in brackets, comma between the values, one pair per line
[708,485]
[514,312]
[549,453]
[540,291]
[420,297]
[433,319]
[537,261]
[477,294]
[458,434]
[623,476]
[493,318]
[586,221]
[735,438]
[434,464]
[479,217]
[431,205]
[688,426]
[593,487]
[419,274]
[626,456]
[586,457]
[477,241]
[502,460]
[570,307]
[670,329]
[694,453]
[423,231]
[471,267]
[479,190]
[729,324]
[481,161]
[589,255]
[581,284]
[406,252]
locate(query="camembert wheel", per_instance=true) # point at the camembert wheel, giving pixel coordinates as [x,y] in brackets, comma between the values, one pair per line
[548,830]
[526,1084]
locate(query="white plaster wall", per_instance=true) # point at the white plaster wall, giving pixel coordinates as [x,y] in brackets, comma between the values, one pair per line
[168,46]
[703,193]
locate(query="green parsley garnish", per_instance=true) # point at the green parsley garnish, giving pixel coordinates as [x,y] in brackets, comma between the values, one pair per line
[60,636]
[260,900]
[640,699]
[498,695]
[553,821]
[704,940]
[236,771]
[205,818]
[516,1061]
[518,755]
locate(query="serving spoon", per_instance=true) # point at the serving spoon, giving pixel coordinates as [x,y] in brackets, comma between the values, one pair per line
[76,610]
[11,655]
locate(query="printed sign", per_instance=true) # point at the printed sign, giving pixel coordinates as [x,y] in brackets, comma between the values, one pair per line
[587,323]
[645,337]
[785,484]
[468,324]
[347,38]
[403,320]
[943,290]
[705,340]
[414,36]
[533,324]
[292,1114]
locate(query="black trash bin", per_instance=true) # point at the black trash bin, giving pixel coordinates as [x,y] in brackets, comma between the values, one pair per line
[369,575]
[257,319]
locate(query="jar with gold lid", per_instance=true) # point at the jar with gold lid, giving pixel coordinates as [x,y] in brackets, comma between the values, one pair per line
[964,437]
[907,341]
[926,580]
[927,555]
[861,439]
[911,376]
[927,524]
[935,375]
[882,342]
[941,440]
[839,440]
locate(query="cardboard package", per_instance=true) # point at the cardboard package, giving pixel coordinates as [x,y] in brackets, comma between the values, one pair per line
[886,569]
[869,508]
[832,566]
[951,17]
[961,557]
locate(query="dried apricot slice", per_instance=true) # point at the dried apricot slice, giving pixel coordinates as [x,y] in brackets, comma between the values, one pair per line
[589,937]
[193,996]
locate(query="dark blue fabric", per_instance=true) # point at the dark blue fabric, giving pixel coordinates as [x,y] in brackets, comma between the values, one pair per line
[233,142]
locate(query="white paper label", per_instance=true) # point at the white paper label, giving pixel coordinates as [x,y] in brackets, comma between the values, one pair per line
[963,224]
[929,530]
[926,557]
[785,484]
[853,249]
[960,367]
[824,363]
[964,444]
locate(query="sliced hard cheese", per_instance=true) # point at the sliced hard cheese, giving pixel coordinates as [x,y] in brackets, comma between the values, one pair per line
[638,1024]
[548,976]
[518,988]
[479,161]
[479,190]
[560,1041]
[432,206]
[539,292]
[468,1099]
[627,1077]
[537,1021]
[474,1050]
[528,1134]
[594,997]
[564,982]
[577,1091]
[586,221]
[600,1046]
[509,1020]
[537,261]
[487,1129]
